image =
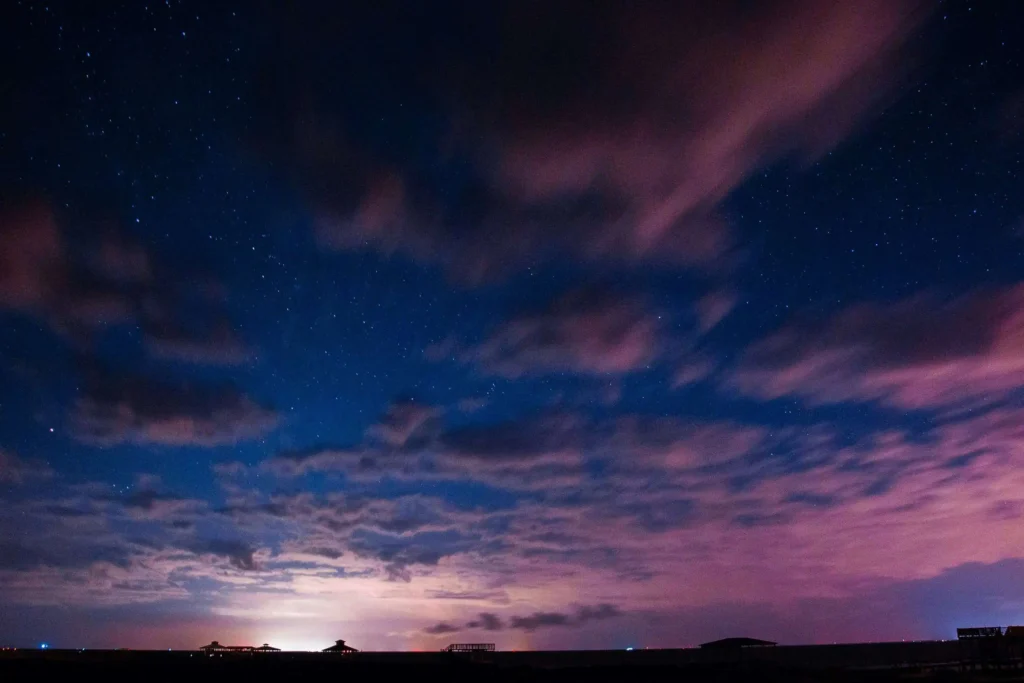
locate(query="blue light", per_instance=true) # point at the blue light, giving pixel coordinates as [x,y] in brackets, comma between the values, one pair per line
[43,646]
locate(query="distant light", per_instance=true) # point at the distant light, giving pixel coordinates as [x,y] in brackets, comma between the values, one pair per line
[629,649]
[43,646]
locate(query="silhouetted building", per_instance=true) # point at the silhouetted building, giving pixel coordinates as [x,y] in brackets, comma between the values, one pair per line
[340,647]
[217,647]
[979,632]
[266,648]
[991,646]
[735,644]
[470,647]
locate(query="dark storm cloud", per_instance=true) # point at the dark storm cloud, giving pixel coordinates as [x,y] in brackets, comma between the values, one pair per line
[487,621]
[585,331]
[116,408]
[597,613]
[582,616]
[537,620]
[920,352]
[628,164]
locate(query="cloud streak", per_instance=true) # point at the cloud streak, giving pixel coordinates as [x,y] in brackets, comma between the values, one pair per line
[629,165]
[116,409]
[587,332]
[921,352]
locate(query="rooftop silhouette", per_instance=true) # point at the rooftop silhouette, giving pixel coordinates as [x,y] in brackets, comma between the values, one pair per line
[339,647]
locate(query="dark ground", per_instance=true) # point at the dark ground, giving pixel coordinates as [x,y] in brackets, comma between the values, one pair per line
[194,667]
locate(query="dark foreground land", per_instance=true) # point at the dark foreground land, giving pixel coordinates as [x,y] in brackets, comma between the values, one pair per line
[936,661]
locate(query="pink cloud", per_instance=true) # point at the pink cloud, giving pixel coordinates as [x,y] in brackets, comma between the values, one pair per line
[107,280]
[696,368]
[713,307]
[631,163]
[793,525]
[31,257]
[921,352]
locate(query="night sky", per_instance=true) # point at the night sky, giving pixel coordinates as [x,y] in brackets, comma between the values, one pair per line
[548,324]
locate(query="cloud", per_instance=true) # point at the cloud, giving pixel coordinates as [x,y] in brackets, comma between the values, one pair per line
[395,535]
[31,257]
[667,516]
[713,307]
[116,409]
[537,620]
[148,503]
[329,553]
[15,470]
[597,613]
[920,352]
[487,621]
[584,331]
[627,165]
[694,369]
[238,554]
[539,449]
[217,346]
[540,619]
[404,423]
[558,619]
[116,258]
[529,439]
[74,290]
[232,468]
[400,551]
[548,451]
[84,283]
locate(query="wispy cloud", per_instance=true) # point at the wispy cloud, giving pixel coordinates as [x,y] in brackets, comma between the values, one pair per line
[920,352]
[115,408]
[631,166]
